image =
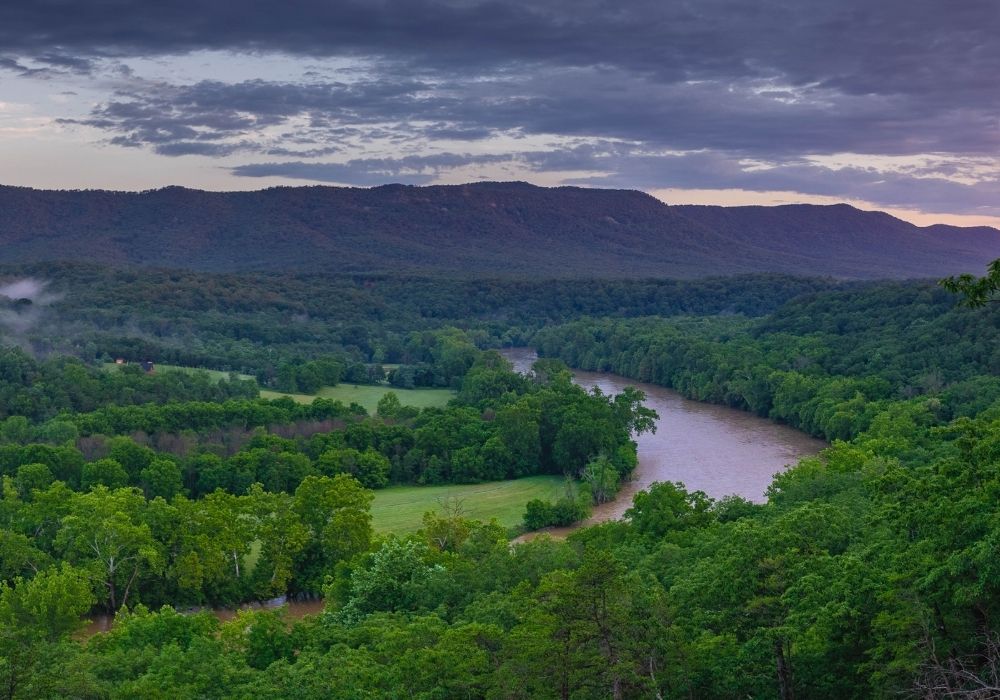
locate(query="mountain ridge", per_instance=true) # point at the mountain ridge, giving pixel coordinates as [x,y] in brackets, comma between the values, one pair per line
[487,228]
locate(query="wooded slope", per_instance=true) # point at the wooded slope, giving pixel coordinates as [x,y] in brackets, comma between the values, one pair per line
[495,229]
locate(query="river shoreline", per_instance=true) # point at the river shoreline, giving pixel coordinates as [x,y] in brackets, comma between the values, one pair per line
[716,449]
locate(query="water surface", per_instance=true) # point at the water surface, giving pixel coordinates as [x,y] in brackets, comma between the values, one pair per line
[715,449]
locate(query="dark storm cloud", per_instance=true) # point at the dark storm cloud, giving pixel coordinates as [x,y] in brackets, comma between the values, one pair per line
[15,66]
[50,65]
[74,64]
[773,80]
[592,102]
[12,65]
[854,46]
[204,117]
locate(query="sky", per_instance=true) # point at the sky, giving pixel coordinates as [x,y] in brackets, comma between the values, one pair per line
[884,104]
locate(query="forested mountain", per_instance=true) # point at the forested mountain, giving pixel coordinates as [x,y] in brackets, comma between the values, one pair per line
[500,229]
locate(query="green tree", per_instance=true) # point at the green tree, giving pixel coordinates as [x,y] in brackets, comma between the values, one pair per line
[602,477]
[16,429]
[36,617]
[976,291]
[161,478]
[261,637]
[582,636]
[517,428]
[103,472]
[32,477]
[211,549]
[19,556]
[538,514]
[397,577]
[667,507]
[337,513]
[131,456]
[52,603]
[105,535]
[369,467]
[282,536]
[389,405]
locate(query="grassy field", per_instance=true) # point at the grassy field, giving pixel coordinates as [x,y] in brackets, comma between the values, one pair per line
[213,373]
[400,508]
[368,396]
[365,395]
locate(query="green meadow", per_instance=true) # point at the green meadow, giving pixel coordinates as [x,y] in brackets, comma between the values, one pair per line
[369,395]
[363,394]
[400,509]
[215,374]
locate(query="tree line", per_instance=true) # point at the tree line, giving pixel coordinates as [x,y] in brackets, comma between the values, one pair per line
[257,323]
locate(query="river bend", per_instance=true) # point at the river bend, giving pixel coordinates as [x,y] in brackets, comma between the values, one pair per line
[715,449]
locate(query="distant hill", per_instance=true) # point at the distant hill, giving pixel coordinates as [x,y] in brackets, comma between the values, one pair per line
[495,229]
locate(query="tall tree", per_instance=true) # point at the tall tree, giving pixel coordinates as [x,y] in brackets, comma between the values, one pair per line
[106,536]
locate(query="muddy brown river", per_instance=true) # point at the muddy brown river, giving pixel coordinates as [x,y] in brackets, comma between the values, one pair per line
[715,449]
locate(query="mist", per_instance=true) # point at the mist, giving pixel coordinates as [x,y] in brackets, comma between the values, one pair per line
[30,297]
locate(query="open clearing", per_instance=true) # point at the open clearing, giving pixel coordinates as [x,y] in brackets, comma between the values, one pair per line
[215,374]
[368,395]
[363,394]
[400,508]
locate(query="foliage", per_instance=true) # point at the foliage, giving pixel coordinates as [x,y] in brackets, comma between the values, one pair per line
[572,507]
[870,571]
[977,291]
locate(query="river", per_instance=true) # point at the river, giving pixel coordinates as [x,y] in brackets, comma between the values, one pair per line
[715,449]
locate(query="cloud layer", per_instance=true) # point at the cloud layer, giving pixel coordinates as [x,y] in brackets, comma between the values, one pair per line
[894,102]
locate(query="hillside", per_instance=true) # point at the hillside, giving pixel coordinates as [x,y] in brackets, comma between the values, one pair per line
[500,229]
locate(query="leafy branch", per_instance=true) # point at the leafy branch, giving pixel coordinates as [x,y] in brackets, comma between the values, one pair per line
[977,291]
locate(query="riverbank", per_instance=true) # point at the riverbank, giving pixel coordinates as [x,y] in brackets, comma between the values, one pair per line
[716,449]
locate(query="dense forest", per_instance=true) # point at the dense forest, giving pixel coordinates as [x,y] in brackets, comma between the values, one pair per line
[825,363]
[254,324]
[869,571]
